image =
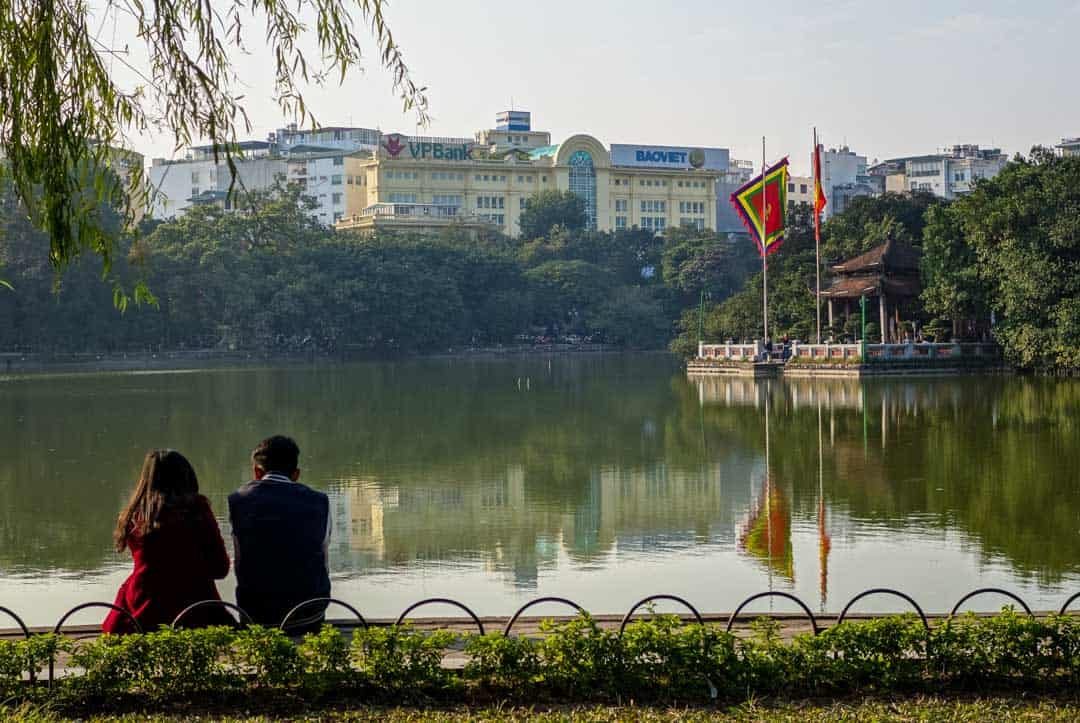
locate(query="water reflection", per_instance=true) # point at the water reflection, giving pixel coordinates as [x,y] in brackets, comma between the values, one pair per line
[600,478]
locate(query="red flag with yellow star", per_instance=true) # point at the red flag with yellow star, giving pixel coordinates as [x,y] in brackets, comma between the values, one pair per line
[767,230]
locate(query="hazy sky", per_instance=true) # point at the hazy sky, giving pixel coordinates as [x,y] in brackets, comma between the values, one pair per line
[887,78]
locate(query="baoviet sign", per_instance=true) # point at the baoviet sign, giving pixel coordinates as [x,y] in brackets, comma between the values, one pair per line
[397,146]
[687,157]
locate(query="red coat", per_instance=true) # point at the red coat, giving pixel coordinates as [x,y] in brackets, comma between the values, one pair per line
[175,566]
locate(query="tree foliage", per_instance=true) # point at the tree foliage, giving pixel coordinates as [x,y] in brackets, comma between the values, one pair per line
[63,114]
[1013,246]
[271,278]
[548,209]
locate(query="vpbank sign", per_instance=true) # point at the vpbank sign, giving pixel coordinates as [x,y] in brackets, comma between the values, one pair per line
[439,149]
[713,159]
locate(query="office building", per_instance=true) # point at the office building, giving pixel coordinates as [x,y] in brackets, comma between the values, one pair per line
[427,184]
[947,174]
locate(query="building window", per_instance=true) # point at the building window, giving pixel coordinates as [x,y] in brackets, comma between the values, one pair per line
[339,160]
[402,198]
[336,199]
[802,188]
[335,180]
[583,184]
[444,199]
[620,223]
[621,205]
[521,204]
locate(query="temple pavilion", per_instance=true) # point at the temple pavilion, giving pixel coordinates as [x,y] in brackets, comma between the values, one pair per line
[888,273]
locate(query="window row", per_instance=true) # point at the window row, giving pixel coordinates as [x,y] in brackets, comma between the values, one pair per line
[802,188]
[402,198]
[696,223]
[401,175]
[446,199]
[691,207]
[491,201]
[493,218]
[649,182]
[653,206]
[657,223]
[447,176]
[691,184]
[490,178]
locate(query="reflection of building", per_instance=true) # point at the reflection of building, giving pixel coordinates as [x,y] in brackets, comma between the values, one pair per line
[499,523]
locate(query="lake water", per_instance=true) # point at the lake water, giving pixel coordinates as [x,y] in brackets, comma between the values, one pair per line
[602,478]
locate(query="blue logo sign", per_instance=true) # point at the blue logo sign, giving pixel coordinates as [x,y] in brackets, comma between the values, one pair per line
[647,156]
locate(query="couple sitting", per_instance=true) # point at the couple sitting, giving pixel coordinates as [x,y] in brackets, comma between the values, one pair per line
[281,532]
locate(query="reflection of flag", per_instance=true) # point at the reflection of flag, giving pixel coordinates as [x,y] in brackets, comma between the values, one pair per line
[767,535]
[819,192]
[767,229]
[824,545]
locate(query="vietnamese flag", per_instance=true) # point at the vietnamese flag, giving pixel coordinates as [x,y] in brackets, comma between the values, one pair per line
[766,228]
[819,192]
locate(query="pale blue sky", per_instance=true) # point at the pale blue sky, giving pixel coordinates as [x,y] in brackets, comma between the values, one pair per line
[889,78]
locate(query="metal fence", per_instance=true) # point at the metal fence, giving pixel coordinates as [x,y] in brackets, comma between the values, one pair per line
[242,617]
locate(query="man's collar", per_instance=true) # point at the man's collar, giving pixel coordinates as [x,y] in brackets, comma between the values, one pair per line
[274,477]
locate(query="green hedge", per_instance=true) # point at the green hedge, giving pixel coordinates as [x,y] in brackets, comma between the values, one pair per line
[655,660]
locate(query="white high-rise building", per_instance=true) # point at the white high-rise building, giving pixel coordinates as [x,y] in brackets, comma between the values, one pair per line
[947,174]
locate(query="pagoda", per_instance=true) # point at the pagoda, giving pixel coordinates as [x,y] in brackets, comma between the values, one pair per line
[889,272]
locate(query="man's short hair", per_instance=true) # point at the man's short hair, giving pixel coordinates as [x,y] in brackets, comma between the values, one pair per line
[277,454]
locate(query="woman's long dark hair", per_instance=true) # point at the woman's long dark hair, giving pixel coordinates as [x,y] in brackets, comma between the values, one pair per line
[167,481]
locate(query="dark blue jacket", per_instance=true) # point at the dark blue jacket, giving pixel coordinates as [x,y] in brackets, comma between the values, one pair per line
[280,530]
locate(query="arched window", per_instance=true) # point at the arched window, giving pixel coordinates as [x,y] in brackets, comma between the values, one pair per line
[583,184]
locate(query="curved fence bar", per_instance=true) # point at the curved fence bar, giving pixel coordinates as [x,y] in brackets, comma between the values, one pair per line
[328,600]
[446,601]
[245,619]
[64,618]
[662,596]
[22,626]
[883,591]
[983,590]
[774,593]
[537,601]
[1068,603]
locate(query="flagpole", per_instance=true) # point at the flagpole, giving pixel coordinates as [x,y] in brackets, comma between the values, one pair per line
[764,234]
[817,236]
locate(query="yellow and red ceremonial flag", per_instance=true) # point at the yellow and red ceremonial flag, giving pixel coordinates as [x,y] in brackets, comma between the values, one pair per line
[767,229]
[819,192]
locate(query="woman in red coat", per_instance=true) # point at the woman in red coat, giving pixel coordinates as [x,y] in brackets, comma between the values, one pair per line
[176,545]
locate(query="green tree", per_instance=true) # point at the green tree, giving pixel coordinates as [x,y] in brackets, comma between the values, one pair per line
[1020,255]
[63,114]
[548,209]
[870,220]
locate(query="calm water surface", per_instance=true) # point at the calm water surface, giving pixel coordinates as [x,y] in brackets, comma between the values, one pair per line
[598,478]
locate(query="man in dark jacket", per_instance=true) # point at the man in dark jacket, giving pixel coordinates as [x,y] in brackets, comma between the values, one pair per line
[281,535]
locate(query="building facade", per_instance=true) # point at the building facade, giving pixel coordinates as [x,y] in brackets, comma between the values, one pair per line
[948,174]
[1069,146]
[313,159]
[420,182]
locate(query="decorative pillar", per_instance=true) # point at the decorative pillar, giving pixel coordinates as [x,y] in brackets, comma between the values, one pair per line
[884,318]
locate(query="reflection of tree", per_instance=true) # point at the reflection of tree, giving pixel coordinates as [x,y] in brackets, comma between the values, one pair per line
[767,532]
[985,455]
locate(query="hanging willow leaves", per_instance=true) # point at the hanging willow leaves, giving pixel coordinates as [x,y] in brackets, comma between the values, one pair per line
[64,120]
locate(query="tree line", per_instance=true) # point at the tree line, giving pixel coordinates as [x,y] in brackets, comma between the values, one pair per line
[272,278]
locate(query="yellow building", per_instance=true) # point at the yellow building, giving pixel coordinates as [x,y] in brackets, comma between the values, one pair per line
[427,184]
